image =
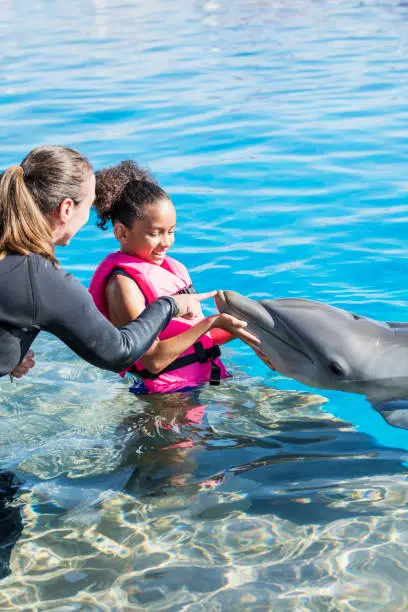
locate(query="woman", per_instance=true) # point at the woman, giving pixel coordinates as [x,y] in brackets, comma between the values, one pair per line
[43,202]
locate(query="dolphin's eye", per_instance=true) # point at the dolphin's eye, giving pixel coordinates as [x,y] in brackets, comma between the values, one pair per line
[336,368]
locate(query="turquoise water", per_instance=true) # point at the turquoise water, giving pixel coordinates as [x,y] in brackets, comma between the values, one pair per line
[280,132]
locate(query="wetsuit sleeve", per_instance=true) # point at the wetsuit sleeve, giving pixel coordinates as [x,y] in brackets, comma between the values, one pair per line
[63,307]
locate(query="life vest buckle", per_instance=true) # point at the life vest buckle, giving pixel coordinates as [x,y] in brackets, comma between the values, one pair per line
[202,357]
[215,376]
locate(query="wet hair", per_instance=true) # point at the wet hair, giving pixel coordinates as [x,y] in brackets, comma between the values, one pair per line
[123,192]
[30,192]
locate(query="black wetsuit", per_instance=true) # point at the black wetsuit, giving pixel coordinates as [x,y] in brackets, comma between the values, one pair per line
[36,295]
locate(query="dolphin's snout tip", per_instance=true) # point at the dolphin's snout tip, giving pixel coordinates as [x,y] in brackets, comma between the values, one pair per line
[227,295]
[225,299]
[220,300]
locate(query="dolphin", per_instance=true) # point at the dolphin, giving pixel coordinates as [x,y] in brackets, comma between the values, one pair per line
[329,348]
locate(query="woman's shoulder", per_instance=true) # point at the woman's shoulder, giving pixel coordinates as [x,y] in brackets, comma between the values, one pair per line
[31,262]
[36,268]
[39,264]
[54,288]
[46,272]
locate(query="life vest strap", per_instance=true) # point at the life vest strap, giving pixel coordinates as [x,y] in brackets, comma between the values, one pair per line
[200,354]
[186,290]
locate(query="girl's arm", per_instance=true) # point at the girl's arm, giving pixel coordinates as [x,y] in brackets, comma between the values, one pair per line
[126,302]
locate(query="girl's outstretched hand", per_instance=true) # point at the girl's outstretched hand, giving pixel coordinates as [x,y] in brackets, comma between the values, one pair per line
[189,303]
[235,327]
[25,365]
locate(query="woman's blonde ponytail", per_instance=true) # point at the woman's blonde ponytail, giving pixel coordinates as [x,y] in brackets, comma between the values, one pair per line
[23,228]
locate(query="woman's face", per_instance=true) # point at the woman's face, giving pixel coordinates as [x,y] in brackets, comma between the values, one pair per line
[71,217]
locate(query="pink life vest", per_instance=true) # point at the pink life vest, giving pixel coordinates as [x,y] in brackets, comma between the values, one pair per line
[155,281]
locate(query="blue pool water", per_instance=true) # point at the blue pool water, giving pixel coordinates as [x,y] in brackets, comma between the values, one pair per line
[279,130]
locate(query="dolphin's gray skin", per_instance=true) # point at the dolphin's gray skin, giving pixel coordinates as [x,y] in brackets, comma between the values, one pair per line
[329,348]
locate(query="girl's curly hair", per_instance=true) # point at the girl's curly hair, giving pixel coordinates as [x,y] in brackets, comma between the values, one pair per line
[123,192]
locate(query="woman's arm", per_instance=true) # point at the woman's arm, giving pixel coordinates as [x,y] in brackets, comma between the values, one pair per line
[126,302]
[63,307]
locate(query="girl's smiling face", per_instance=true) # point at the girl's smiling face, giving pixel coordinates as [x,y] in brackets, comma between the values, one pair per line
[151,237]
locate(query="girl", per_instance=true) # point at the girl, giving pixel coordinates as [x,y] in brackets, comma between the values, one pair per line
[44,201]
[186,354]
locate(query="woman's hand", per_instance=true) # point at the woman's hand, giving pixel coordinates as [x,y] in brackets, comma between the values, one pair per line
[234,326]
[189,303]
[24,366]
